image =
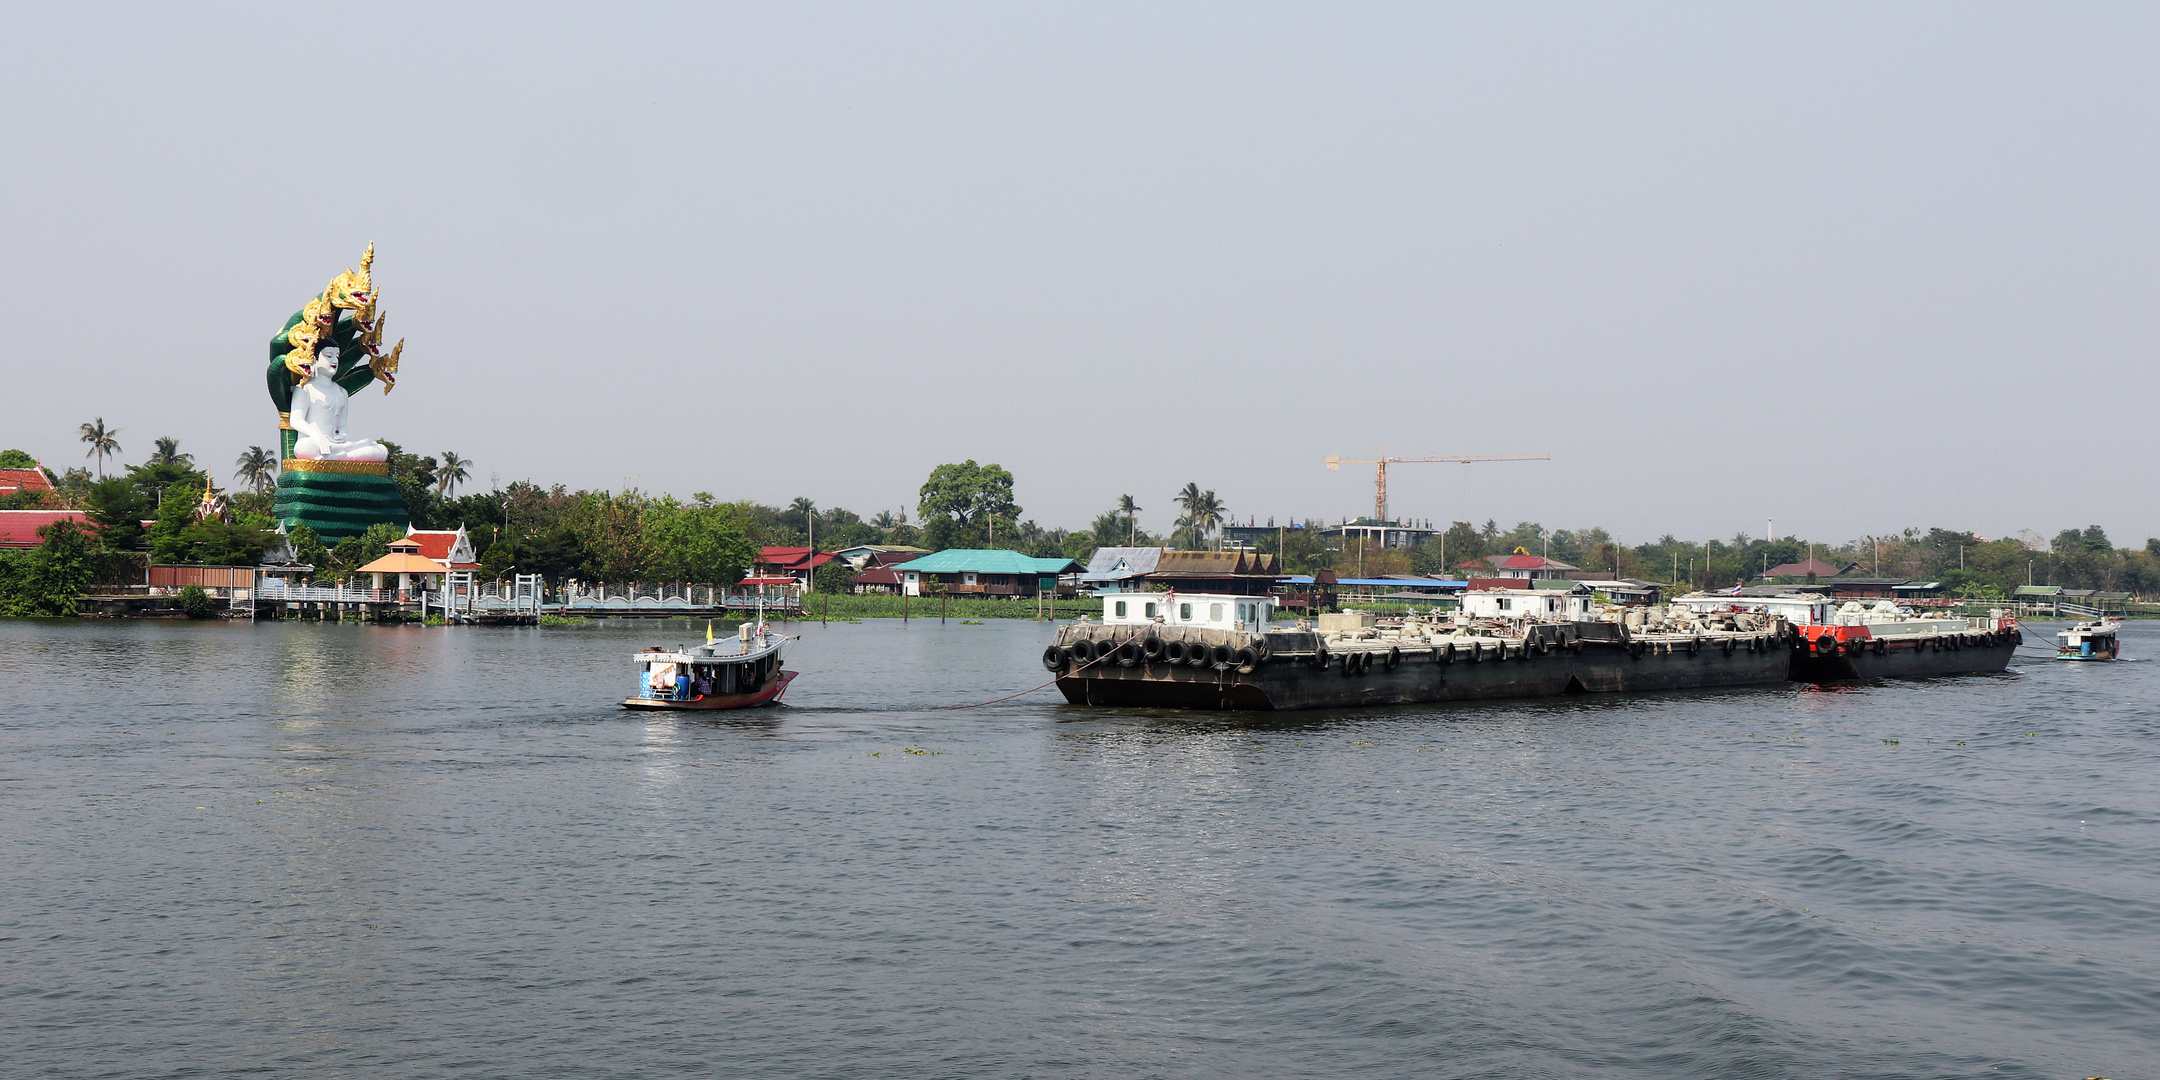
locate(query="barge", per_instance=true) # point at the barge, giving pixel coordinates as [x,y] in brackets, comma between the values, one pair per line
[1223,651]
[1834,642]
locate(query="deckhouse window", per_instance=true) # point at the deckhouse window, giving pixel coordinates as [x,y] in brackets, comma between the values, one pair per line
[1150,609]
[1121,609]
[1214,613]
[1184,612]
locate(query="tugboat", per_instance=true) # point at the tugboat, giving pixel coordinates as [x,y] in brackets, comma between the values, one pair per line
[2089,641]
[748,674]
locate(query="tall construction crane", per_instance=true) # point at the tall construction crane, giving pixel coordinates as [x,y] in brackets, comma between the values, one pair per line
[1381,463]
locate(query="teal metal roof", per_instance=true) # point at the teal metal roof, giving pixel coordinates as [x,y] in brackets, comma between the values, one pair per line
[987,561]
[2039,590]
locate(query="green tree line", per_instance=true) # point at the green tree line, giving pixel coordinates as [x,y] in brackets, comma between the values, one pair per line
[632,535]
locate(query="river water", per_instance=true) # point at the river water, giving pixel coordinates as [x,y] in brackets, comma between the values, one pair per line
[297,850]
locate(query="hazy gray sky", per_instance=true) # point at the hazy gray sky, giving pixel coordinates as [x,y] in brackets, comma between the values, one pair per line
[1723,262]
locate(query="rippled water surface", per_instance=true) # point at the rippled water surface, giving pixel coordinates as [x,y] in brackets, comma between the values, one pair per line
[297,849]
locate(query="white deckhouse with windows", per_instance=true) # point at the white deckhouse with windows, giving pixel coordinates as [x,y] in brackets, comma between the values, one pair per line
[1208,611]
[1570,604]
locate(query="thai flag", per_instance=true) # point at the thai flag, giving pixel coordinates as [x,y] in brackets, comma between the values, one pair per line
[1735,591]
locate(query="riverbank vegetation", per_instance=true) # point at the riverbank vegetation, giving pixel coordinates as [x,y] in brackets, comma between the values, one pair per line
[632,535]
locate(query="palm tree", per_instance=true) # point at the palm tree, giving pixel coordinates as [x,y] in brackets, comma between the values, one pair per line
[453,471]
[1128,507]
[802,505]
[258,468]
[168,453]
[1203,513]
[1104,530]
[101,442]
[1208,515]
[883,520]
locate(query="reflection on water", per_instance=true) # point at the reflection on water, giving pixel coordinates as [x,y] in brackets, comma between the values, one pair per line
[337,848]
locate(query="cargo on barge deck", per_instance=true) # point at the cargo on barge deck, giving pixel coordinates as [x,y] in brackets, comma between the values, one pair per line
[1236,660]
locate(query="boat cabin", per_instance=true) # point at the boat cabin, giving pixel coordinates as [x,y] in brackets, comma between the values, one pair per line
[1799,609]
[679,675]
[1209,611]
[1553,604]
[2088,641]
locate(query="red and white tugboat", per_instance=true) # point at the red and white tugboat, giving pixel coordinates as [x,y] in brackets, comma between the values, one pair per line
[741,673]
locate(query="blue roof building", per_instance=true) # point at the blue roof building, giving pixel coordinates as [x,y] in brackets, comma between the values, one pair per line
[982,572]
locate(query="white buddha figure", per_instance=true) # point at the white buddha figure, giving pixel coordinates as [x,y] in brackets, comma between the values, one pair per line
[319,416]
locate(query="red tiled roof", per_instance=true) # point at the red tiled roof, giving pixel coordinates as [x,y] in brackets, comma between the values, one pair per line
[14,480]
[1532,562]
[882,575]
[436,544]
[1480,584]
[792,558]
[18,528]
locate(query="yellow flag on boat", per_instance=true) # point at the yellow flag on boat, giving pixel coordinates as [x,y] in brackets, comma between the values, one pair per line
[708,632]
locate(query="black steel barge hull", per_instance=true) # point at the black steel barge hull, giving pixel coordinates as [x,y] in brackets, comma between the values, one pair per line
[1927,659]
[1286,683]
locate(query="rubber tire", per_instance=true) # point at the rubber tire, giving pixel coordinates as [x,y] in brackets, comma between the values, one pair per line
[1247,660]
[1056,660]
[1220,654]
[1152,649]
[1394,657]
[1083,651]
[1174,652]
[1128,654]
[1196,655]
[1444,653]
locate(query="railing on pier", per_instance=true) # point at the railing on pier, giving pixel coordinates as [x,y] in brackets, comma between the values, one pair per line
[280,593]
[606,597]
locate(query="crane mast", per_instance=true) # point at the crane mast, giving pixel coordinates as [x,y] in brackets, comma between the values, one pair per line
[1381,463]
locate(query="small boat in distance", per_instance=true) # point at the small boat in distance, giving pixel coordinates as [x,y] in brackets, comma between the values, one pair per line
[2093,640]
[739,673]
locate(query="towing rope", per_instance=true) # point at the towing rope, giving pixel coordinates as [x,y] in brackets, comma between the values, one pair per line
[1105,655]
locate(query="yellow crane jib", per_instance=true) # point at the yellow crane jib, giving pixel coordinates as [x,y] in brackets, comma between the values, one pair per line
[1381,463]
